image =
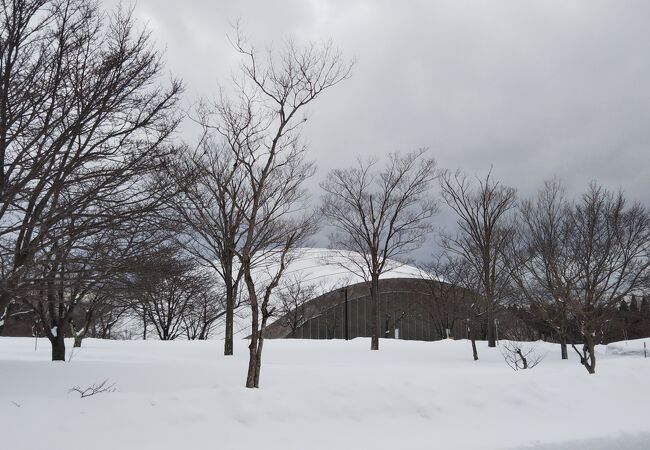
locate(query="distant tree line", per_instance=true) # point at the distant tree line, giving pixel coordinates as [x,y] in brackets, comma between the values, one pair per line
[566,268]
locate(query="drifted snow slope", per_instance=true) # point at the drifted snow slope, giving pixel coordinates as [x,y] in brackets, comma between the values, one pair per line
[318,395]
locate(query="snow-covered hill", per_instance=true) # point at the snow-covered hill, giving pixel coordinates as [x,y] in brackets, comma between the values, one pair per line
[318,395]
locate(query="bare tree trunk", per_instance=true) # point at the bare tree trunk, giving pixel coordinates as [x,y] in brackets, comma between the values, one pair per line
[524,361]
[563,346]
[257,330]
[144,326]
[588,354]
[58,344]
[563,335]
[374,298]
[258,361]
[230,315]
[470,335]
[254,364]
[78,337]
[255,356]
[491,335]
[485,233]
[4,313]
[257,335]
[589,361]
[255,360]
[54,307]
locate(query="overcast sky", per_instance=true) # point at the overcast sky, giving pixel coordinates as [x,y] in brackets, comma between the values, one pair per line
[535,88]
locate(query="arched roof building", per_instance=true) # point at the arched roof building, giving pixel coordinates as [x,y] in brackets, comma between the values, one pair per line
[413,305]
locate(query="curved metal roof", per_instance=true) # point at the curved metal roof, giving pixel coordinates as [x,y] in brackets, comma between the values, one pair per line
[322,270]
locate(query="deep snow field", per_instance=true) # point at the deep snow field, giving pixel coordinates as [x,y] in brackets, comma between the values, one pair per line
[320,395]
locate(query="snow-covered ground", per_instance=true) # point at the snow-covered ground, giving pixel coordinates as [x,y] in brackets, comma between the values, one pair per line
[319,395]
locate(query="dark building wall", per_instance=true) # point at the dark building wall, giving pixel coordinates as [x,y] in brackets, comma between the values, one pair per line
[406,312]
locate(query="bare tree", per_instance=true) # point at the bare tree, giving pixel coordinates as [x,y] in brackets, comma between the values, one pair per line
[542,267]
[83,120]
[293,293]
[609,245]
[520,355]
[94,389]
[208,183]
[106,317]
[449,301]
[204,311]
[168,289]
[269,162]
[79,328]
[483,236]
[518,350]
[69,282]
[379,215]
[457,295]
[579,260]
[109,303]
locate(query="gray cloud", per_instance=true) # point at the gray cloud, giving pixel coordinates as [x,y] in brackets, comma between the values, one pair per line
[534,88]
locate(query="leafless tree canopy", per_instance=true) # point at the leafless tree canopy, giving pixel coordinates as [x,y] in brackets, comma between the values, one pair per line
[578,260]
[610,242]
[84,121]
[520,355]
[452,298]
[293,293]
[208,185]
[379,214]
[257,131]
[174,295]
[484,232]
[540,263]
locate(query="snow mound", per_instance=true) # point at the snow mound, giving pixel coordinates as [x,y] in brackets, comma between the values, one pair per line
[629,348]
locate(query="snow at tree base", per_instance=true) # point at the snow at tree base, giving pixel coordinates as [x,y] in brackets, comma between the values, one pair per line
[320,395]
